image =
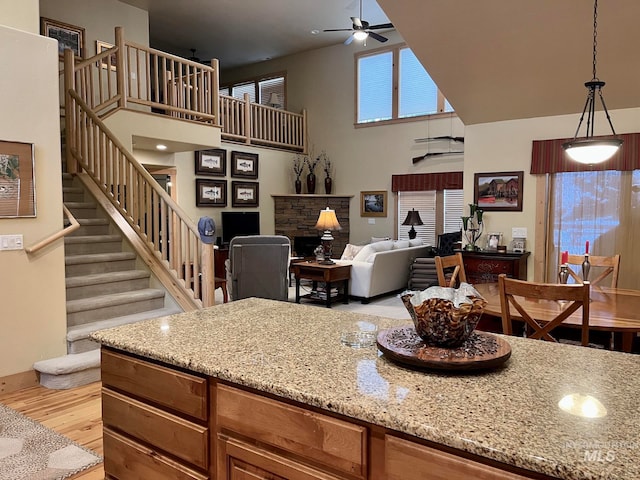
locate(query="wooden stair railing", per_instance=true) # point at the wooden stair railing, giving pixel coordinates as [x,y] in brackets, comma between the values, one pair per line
[167,232]
[73,226]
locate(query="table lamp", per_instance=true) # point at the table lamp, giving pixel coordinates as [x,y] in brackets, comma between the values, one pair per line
[328,222]
[413,218]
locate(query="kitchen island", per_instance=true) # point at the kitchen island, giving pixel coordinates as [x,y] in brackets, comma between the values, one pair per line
[264,389]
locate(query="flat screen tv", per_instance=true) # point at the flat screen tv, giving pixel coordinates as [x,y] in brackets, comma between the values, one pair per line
[239,223]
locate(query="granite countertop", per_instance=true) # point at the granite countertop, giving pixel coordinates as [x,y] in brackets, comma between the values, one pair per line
[510,414]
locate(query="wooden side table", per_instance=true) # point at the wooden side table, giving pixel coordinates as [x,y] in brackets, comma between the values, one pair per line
[327,274]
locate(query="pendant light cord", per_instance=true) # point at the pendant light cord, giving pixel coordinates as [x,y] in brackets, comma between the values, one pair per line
[595,36]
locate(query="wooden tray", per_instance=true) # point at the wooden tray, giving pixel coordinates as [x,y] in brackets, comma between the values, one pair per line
[483,350]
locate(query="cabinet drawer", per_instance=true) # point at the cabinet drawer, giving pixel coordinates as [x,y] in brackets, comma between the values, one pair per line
[311,435]
[182,438]
[406,460]
[170,388]
[125,459]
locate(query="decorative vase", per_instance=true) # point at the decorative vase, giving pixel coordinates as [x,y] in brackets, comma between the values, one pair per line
[328,183]
[586,267]
[311,183]
[298,184]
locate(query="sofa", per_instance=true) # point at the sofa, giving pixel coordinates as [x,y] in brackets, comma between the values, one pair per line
[381,267]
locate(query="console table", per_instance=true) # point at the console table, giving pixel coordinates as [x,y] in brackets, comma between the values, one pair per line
[485,266]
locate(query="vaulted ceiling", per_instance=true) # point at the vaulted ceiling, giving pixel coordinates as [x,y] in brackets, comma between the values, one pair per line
[493,59]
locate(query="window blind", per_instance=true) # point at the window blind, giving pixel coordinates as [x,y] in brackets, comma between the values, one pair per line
[375,87]
[453,210]
[239,90]
[425,204]
[269,86]
[418,94]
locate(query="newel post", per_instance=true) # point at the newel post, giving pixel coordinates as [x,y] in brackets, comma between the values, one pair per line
[69,110]
[121,74]
[247,118]
[208,275]
[215,94]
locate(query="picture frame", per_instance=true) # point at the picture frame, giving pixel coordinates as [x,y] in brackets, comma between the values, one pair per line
[494,239]
[244,194]
[17,180]
[67,35]
[211,162]
[244,165]
[211,193]
[107,62]
[498,191]
[373,203]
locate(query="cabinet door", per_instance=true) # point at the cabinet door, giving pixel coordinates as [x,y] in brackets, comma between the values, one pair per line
[240,461]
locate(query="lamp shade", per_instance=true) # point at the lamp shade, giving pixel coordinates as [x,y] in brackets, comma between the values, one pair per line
[328,220]
[274,100]
[413,218]
[592,151]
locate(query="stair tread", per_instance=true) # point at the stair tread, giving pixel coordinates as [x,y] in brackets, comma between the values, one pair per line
[73,362]
[80,204]
[91,221]
[107,277]
[79,332]
[72,190]
[112,299]
[98,257]
[92,238]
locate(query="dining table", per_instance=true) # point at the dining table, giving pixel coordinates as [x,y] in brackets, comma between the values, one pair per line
[615,310]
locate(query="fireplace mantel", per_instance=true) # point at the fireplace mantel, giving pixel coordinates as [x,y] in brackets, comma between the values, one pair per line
[310,195]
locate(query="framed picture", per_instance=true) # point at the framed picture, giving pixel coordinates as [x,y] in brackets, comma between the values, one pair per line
[245,194]
[244,165]
[17,180]
[68,36]
[373,203]
[211,162]
[211,193]
[107,62]
[493,240]
[498,192]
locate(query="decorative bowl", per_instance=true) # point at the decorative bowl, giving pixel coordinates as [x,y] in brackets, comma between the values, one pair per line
[442,316]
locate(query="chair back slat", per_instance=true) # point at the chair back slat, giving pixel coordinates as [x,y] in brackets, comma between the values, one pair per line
[454,261]
[611,267]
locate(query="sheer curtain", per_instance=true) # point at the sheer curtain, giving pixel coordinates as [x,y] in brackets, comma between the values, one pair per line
[602,207]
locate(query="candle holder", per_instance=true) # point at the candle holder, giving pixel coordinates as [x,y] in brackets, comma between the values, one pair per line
[472,227]
[586,266]
[563,274]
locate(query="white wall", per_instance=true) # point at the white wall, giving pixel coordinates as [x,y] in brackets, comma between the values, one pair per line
[322,81]
[32,290]
[22,14]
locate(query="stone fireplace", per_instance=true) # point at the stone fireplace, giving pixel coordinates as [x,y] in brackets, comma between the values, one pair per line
[296,216]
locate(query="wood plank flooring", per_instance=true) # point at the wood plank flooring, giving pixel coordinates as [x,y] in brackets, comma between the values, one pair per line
[75,413]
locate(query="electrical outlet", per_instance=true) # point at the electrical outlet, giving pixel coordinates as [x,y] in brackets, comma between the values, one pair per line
[11,242]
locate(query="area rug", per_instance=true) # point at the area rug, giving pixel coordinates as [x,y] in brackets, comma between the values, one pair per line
[31,451]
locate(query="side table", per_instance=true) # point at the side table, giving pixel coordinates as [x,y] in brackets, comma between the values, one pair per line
[328,274]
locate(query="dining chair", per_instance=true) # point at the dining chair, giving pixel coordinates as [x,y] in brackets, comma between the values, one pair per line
[452,261]
[611,267]
[518,293]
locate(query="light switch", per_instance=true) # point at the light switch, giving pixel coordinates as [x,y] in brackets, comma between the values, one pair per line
[11,242]
[372,221]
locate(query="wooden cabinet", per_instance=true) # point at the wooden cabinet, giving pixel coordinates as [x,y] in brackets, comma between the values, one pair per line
[484,267]
[155,420]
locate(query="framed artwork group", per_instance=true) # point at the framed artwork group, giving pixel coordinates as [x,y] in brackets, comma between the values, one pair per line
[213,192]
[68,36]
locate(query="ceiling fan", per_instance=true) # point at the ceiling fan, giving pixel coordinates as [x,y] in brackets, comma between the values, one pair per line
[360,29]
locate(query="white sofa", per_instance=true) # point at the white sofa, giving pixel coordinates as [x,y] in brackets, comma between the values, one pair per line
[381,267]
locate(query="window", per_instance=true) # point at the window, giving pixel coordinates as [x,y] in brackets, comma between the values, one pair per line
[602,207]
[392,85]
[259,89]
[440,212]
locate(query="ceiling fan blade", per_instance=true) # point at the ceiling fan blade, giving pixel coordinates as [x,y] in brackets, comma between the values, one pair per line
[378,37]
[357,22]
[338,30]
[349,40]
[380,26]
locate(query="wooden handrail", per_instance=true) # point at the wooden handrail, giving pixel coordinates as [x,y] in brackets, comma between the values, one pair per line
[73,226]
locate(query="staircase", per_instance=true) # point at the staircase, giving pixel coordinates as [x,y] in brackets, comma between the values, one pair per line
[106,287]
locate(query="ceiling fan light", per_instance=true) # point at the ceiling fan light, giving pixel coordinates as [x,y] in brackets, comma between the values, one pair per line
[360,35]
[591,151]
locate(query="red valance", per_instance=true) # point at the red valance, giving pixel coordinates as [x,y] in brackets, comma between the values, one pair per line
[548,156]
[416,182]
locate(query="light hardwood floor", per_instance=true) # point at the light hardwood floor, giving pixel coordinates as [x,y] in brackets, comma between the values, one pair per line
[74,413]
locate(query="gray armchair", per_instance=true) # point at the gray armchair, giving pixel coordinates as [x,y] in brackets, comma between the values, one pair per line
[258,266]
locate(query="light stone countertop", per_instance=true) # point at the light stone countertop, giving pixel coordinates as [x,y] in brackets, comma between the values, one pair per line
[510,414]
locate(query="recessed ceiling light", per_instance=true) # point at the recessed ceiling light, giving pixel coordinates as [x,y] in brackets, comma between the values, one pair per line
[161,147]
[315,32]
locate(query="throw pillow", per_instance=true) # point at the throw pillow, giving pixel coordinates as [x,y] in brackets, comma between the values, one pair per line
[363,255]
[350,251]
[400,244]
[416,242]
[382,246]
[379,239]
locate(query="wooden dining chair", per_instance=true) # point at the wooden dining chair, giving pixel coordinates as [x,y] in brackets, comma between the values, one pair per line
[611,267]
[452,261]
[573,297]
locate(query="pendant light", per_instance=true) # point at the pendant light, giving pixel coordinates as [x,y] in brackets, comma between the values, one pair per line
[590,150]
